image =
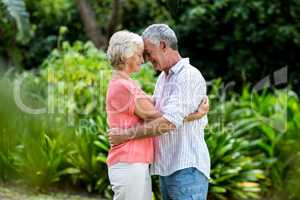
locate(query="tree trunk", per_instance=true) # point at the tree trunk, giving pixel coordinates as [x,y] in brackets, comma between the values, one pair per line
[90,24]
[114,17]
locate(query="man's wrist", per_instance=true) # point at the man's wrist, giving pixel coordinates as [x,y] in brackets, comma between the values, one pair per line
[129,135]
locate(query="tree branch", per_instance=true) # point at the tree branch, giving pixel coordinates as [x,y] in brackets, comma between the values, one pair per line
[90,24]
[114,17]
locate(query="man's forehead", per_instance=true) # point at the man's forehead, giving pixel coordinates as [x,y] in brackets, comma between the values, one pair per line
[147,49]
[148,43]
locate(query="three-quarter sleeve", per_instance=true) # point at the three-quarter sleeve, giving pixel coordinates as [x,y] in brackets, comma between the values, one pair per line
[124,95]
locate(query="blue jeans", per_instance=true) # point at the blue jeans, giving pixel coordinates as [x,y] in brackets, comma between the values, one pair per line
[185,184]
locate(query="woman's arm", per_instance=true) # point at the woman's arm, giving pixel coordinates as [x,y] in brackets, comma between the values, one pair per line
[145,109]
[202,110]
[157,125]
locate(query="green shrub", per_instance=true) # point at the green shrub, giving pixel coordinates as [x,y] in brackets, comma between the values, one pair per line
[265,124]
[7,131]
[236,171]
[32,146]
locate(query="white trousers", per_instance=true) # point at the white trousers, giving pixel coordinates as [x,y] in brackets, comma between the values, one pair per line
[130,181]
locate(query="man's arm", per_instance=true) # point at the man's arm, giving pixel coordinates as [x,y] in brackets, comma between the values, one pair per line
[156,127]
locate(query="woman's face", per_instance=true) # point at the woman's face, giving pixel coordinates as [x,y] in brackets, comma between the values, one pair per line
[134,62]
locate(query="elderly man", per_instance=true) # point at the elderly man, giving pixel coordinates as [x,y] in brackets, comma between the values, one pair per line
[181,155]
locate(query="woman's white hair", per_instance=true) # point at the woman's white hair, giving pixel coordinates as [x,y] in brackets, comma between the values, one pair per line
[122,45]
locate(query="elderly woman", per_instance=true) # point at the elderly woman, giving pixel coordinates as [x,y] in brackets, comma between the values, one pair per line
[127,106]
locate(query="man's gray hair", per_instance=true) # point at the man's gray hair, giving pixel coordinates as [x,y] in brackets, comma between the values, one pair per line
[156,33]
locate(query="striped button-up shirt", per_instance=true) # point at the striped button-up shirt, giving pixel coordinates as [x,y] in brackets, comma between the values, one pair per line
[176,95]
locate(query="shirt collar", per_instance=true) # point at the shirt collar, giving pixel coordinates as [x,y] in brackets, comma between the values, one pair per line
[177,67]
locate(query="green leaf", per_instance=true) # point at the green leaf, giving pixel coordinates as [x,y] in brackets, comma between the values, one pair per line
[102,159]
[101,145]
[71,170]
[217,189]
[17,10]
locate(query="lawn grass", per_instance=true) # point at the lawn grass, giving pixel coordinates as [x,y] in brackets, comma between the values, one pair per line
[16,192]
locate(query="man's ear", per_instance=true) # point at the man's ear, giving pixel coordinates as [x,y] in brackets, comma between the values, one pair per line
[163,45]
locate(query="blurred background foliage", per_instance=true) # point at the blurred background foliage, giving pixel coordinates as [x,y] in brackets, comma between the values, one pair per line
[231,39]
[252,136]
[53,63]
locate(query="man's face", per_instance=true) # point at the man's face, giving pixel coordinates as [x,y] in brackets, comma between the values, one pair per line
[154,54]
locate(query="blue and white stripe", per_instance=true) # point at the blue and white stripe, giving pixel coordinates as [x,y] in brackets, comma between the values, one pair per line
[176,95]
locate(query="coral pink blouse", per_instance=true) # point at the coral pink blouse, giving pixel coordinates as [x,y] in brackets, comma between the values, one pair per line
[120,104]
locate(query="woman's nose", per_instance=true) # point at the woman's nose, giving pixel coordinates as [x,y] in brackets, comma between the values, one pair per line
[145,58]
[142,59]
